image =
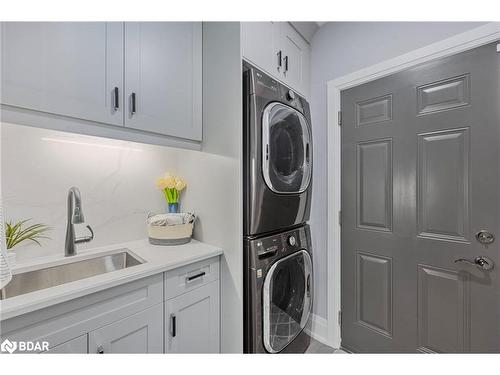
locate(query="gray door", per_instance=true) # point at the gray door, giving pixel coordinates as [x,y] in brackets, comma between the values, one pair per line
[420,156]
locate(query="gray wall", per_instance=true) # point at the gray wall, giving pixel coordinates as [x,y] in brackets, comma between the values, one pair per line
[339,48]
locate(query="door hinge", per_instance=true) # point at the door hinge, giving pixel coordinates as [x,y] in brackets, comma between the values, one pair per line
[340,318]
[340,217]
[339,114]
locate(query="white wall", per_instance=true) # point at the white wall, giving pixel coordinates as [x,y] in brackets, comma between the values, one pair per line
[116,180]
[222,136]
[339,48]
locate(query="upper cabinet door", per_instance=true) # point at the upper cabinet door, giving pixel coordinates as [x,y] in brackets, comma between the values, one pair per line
[65,68]
[261,45]
[163,78]
[296,59]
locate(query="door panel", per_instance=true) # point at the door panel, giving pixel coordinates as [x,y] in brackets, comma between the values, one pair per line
[65,68]
[443,184]
[419,158]
[443,316]
[374,200]
[139,333]
[442,95]
[163,69]
[192,321]
[374,292]
[373,111]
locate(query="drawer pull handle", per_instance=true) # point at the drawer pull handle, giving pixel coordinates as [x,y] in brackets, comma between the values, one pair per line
[191,278]
[116,105]
[173,325]
[132,106]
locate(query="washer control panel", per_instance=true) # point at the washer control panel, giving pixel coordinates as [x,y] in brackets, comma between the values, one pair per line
[265,251]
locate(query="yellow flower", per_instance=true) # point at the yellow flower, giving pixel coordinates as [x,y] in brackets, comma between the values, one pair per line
[161,184]
[169,181]
[179,184]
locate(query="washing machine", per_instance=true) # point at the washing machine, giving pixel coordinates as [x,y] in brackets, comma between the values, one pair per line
[277,144]
[278,286]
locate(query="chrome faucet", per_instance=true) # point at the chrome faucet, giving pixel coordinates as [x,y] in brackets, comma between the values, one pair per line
[75,216]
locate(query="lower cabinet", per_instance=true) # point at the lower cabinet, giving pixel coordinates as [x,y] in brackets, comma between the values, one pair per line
[174,312]
[192,321]
[139,333]
[77,345]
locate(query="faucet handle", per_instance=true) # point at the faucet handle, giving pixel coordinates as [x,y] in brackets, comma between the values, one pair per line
[86,238]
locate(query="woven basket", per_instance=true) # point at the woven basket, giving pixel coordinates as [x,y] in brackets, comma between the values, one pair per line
[170,234]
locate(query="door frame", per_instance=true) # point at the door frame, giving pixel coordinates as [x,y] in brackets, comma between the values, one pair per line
[458,43]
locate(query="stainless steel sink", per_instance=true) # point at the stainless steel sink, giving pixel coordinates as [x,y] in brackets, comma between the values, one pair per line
[26,282]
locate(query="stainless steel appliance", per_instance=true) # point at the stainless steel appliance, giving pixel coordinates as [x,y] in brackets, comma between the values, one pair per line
[277,155]
[278,292]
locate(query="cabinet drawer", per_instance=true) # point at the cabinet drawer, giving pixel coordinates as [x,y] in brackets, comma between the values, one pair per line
[184,279]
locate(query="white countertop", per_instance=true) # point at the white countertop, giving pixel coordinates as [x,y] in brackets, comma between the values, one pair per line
[157,259]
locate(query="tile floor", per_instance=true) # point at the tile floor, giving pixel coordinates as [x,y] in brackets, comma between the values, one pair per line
[317,347]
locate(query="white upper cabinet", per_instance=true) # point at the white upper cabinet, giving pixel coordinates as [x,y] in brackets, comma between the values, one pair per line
[163,78]
[261,44]
[278,49]
[140,75]
[296,58]
[65,68]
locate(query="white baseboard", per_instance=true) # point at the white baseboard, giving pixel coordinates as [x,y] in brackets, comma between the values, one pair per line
[319,329]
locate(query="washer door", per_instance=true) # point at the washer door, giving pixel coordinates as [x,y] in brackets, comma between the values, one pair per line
[286,147]
[287,299]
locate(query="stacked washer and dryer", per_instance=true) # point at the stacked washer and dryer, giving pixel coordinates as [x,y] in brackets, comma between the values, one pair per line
[277,183]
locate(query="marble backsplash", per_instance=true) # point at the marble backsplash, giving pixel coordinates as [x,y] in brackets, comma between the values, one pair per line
[116,180]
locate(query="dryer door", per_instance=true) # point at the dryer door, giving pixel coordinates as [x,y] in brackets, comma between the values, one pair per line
[287,299]
[286,148]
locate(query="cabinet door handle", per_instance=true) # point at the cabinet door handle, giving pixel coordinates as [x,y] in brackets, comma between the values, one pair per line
[173,325]
[280,59]
[116,99]
[191,278]
[100,350]
[286,63]
[132,104]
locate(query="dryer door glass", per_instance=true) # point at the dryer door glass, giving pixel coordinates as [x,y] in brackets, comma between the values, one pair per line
[287,152]
[287,300]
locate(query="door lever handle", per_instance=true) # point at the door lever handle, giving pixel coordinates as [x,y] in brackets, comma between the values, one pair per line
[483,263]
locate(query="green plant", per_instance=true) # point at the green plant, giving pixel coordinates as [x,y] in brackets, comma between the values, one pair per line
[16,233]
